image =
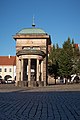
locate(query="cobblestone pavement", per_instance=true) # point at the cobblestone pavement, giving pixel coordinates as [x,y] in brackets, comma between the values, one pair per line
[50,105]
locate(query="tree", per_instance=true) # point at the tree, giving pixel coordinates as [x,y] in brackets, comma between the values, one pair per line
[65,64]
[52,55]
[76,60]
[53,64]
[68,48]
[64,61]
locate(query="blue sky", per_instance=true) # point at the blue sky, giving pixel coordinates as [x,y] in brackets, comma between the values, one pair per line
[59,18]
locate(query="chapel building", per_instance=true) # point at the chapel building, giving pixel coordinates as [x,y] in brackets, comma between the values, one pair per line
[32,49]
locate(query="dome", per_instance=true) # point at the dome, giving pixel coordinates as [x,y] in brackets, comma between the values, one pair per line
[31,31]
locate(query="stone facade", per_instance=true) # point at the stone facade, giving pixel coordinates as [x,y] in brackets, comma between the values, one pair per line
[32,57]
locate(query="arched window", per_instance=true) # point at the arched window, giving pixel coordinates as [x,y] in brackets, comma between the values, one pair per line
[10,70]
[0,69]
[5,70]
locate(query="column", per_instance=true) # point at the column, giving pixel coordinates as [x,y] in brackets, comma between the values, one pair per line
[29,69]
[37,70]
[41,70]
[21,69]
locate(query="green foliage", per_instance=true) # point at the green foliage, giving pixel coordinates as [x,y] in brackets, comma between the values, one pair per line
[64,61]
[53,64]
[65,64]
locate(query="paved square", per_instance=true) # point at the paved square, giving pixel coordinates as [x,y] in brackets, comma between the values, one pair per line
[34,105]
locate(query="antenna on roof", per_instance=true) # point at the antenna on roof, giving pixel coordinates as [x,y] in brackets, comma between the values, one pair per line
[33,24]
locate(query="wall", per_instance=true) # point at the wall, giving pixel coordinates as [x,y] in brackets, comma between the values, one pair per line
[12,73]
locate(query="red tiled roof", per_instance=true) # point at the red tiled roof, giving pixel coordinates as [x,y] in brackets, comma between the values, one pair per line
[76,45]
[6,60]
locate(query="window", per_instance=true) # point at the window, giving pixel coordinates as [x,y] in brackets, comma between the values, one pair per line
[5,70]
[10,70]
[0,69]
[28,48]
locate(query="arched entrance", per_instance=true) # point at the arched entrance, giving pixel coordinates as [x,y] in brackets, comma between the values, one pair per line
[7,77]
[0,77]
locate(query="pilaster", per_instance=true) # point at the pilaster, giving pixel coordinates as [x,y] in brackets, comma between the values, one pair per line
[42,71]
[21,69]
[37,70]
[29,69]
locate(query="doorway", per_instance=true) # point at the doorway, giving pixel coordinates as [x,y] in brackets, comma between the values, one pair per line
[25,70]
[33,69]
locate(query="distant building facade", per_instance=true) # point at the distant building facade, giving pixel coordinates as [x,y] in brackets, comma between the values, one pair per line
[77,46]
[8,67]
[32,48]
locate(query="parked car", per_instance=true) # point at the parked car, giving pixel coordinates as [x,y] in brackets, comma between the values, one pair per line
[9,81]
[0,81]
[75,78]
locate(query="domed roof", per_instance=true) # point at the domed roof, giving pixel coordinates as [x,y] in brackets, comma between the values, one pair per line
[31,31]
